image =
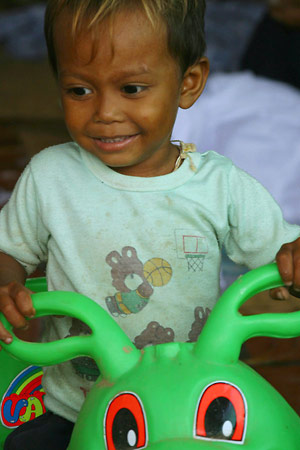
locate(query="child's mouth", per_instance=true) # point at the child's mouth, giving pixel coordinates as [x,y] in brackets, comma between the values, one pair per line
[114,143]
[112,140]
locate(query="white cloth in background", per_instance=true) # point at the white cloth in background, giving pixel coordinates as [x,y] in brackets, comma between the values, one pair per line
[256,123]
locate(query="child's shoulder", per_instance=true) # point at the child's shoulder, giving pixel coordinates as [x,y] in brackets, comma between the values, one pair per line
[55,159]
[56,156]
[213,160]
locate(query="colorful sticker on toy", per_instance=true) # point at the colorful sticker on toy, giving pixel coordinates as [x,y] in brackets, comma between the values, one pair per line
[23,400]
[221,413]
[125,424]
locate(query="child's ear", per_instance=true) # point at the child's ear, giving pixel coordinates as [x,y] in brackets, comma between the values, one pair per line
[193,83]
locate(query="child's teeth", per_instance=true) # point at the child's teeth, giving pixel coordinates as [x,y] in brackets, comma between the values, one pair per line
[113,140]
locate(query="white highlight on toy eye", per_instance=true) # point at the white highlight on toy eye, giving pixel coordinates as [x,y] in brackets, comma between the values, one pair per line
[227,428]
[131,438]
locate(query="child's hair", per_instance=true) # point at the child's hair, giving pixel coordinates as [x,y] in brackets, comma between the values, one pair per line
[184,20]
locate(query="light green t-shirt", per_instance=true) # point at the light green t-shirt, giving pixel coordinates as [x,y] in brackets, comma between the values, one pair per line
[147,250]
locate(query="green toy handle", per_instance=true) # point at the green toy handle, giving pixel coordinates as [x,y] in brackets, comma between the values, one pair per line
[106,338]
[225,346]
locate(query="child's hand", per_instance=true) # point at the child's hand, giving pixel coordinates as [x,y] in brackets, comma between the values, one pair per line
[15,304]
[288,261]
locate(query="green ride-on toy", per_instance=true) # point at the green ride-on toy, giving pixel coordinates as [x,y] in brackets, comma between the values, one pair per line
[21,391]
[174,396]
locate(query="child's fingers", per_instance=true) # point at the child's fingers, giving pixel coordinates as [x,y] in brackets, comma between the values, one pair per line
[15,304]
[295,257]
[296,279]
[284,259]
[22,298]
[288,261]
[5,300]
[279,293]
[11,312]
[5,336]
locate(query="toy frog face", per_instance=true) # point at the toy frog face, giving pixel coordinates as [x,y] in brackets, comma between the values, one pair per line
[177,395]
[174,400]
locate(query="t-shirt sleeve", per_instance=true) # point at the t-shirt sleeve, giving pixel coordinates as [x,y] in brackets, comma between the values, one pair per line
[257,228]
[23,234]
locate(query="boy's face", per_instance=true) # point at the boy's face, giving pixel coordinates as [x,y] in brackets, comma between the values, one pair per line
[120,92]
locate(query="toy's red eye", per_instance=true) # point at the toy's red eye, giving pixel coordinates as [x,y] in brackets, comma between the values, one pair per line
[125,423]
[221,413]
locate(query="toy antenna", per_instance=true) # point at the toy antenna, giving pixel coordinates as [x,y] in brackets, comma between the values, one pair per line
[108,345]
[226,329]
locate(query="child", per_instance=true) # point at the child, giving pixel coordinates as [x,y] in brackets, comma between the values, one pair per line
[122,214]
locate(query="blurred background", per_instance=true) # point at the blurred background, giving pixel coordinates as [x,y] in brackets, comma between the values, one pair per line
[30,116]
[252,94]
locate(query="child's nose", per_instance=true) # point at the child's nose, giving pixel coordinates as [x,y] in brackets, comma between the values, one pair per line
[107,109]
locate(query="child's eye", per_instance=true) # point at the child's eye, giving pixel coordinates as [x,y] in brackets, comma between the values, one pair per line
[132,89]
[79,91]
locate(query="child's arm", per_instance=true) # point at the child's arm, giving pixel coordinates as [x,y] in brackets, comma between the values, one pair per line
[15,300]
[288,261]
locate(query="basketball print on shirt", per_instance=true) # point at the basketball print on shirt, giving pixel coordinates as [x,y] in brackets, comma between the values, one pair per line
[191,246]
[134,281]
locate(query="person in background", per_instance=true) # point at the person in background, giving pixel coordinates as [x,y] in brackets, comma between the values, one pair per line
[274,49]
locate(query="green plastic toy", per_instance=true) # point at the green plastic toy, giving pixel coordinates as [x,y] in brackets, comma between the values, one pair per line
[21,390]
[175,396]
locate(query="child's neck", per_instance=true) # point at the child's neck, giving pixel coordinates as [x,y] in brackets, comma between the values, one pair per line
[160,167]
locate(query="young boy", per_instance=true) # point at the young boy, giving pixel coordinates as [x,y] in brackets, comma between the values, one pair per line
[122,214]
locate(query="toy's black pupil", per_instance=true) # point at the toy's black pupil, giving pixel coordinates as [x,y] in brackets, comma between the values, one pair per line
[220,419]
[125,430]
